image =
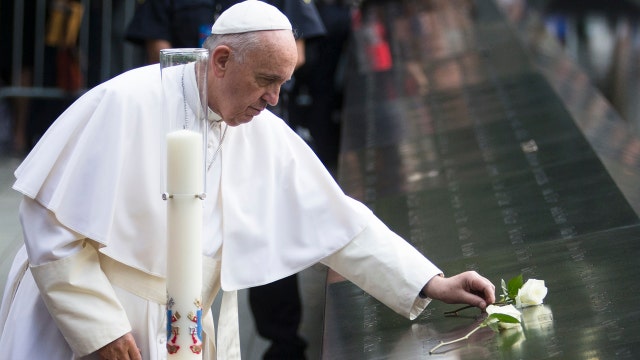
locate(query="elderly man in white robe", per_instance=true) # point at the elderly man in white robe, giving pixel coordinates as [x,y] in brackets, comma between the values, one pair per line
[90,280]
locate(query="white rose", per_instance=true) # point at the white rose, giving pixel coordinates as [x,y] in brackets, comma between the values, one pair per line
[505,310]
[531,293]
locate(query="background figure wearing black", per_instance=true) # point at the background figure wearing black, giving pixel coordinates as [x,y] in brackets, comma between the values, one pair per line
[316,97]
[161,24]
[16,108]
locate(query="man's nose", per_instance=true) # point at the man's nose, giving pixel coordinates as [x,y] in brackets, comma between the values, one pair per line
[272,95]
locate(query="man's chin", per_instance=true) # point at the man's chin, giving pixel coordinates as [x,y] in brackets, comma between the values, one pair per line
[240,120]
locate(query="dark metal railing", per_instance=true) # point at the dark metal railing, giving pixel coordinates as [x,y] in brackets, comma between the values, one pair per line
[100,47]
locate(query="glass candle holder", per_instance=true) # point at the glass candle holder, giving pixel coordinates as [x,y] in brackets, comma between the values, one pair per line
[184,74]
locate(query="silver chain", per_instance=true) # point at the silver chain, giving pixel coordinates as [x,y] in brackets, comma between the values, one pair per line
[215,154]
[211,123]
[185,125]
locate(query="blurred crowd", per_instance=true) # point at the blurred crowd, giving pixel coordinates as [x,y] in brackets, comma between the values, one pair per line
[55,56]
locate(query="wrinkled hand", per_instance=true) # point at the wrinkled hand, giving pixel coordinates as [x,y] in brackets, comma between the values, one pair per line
[465,288]
[122,348]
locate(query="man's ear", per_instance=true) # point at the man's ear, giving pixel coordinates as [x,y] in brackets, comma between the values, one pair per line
[220,59]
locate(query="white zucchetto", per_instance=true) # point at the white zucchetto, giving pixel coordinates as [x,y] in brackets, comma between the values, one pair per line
[250,15]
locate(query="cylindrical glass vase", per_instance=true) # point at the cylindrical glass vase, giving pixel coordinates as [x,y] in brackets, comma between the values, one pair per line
[184,74]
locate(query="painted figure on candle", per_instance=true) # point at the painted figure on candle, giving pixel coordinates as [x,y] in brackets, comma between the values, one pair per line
[172,331]
[172,349]
[92,201]
[196,330]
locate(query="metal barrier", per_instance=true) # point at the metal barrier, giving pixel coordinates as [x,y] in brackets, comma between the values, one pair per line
[100,47]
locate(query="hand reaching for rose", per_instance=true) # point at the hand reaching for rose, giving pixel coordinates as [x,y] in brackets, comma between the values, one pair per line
[465,288]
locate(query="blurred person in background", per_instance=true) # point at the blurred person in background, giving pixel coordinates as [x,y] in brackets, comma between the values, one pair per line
[316,98]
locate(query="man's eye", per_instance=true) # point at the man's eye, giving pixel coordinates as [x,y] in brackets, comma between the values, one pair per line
[265,81]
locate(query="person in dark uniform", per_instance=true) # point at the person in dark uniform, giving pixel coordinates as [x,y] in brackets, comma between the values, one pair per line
[186,23]
[163,24]
[156,25]
[316,98]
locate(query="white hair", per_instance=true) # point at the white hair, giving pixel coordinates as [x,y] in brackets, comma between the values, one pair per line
[241,44]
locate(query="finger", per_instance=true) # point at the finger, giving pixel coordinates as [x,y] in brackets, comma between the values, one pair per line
[487,292]
[486,295]
[135,353]
[490,294]
[473,300]
[484,288]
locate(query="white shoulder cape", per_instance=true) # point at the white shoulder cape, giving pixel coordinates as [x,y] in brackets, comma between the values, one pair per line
[99,169]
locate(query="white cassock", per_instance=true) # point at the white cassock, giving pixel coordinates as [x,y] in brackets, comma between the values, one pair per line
[94,226]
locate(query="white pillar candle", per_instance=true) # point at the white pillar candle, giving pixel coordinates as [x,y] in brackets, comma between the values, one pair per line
[184,252]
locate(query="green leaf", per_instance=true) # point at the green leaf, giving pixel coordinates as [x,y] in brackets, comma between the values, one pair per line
[514,285]
[504,297]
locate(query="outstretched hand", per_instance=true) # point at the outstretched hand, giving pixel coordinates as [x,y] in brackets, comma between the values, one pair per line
[123,347]
[465,288]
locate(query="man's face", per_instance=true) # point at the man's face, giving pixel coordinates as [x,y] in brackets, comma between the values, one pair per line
[250,86]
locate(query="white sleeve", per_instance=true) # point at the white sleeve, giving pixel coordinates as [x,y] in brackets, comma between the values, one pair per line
[40,223]
[387,267]
[67,270]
